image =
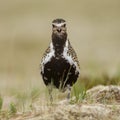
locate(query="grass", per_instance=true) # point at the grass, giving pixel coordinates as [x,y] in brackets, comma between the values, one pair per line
[12,109]
[87,82]
[25,100]
[10,112]
[1,103]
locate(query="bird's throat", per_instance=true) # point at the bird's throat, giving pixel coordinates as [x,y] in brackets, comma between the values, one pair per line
[58,43]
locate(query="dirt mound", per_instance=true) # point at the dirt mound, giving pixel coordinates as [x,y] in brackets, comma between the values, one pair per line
[102,102]
[76,112]
[105,94]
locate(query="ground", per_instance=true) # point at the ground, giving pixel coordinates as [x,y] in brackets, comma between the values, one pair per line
[100,102]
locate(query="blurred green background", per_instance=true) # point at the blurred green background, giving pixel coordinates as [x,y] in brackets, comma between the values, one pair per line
[25,32]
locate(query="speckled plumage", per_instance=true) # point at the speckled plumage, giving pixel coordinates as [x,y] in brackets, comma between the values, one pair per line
[59,64]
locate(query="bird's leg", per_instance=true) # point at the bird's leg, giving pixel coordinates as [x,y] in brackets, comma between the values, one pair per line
[50,93]
[69,92]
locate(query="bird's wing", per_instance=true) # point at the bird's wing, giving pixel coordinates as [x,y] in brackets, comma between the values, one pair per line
[49,53]
[73,54]
[43,57]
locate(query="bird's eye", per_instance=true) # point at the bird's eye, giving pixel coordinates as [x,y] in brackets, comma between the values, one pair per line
[64,25]
[53,26]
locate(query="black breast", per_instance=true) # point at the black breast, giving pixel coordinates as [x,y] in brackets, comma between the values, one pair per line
[59,72]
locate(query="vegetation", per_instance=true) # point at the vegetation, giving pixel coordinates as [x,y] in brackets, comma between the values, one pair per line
[12,109]
[1,103]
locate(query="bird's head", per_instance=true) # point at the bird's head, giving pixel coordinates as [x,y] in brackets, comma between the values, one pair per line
[59,28]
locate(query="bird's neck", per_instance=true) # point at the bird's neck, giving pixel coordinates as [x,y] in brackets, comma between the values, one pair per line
[58,43]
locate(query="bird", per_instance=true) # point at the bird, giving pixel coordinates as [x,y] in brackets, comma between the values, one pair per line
[59,65]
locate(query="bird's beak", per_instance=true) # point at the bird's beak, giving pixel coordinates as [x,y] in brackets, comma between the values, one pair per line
[59,29]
